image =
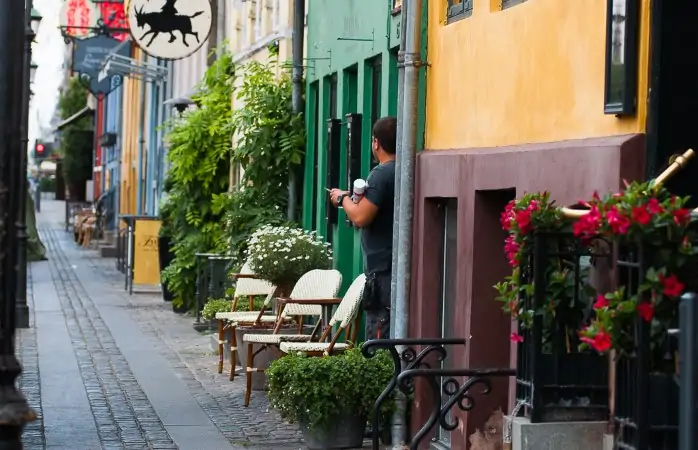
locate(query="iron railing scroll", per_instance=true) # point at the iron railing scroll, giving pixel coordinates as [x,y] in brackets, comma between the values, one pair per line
[405,358]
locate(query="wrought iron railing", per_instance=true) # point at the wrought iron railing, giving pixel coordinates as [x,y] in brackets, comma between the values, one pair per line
[413,358]
[555,381]
[212,279]
[646,390]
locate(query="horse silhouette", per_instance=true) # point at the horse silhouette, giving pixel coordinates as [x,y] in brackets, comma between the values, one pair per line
[163,22]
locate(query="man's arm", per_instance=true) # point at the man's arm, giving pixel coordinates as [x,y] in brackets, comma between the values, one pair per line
[361,214]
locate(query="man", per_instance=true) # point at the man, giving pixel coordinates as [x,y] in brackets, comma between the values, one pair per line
[169,8]
[374,215]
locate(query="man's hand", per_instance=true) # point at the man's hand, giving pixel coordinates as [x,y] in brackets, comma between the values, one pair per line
[334,195]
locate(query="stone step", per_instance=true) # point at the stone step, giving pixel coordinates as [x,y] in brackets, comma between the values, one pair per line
[108,251]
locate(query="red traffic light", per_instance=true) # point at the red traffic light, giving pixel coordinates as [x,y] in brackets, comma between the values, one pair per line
[40,148]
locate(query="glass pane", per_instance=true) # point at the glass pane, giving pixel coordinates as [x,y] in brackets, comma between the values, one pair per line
[616,91]
[448,285]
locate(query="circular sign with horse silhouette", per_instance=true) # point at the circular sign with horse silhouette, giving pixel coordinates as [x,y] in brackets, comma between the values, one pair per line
[170,29]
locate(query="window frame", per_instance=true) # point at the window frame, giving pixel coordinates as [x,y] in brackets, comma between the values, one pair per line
[458,11]
[506,4]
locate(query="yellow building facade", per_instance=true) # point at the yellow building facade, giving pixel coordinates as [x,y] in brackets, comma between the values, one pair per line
[531,73]
[132,118]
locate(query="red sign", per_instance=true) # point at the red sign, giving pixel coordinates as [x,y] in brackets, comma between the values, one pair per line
[114,16]
[77,17]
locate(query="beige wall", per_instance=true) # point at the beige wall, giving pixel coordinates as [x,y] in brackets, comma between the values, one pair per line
[250,27]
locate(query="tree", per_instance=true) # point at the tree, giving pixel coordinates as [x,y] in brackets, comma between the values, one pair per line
[76,140]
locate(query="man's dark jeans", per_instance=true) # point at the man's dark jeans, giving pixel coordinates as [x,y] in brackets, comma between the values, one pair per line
[378,320]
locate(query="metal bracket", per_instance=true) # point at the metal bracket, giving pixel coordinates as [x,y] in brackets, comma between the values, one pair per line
[132,68]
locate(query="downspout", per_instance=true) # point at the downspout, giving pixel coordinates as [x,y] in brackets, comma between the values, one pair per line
[141,144]
[297,42]
[118,129]
[152,151]
[399,427]
[407,156]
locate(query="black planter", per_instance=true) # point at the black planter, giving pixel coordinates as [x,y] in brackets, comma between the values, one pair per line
[165,255]
[346,432]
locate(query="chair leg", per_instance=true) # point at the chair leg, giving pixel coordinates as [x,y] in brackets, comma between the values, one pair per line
[248,373]
[233,340]
[221,349]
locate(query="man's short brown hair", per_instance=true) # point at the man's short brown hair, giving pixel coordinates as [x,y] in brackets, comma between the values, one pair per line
[385,132]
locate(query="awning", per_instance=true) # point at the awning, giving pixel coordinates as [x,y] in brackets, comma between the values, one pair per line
[80,114]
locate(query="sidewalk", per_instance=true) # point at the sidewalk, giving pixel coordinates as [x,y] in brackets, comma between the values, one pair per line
[107,370]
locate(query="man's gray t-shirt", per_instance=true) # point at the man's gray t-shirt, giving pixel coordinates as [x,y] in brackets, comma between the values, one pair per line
[377,238]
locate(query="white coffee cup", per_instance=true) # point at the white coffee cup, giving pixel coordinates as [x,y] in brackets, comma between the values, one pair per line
[359,186]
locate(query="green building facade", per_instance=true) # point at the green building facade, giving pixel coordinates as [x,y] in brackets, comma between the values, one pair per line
[352,80]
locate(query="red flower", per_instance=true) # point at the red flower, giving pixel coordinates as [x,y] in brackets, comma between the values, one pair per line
[681,216]
[511,248]
[523,221]
[654,206]
[534,205]
[618,222]
[507,215]
[601,342]
[516,337]
[601,302]
[589,223]
[672,286]
[641,215]
[646,311]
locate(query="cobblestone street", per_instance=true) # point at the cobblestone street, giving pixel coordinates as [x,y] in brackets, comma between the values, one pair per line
[107,370]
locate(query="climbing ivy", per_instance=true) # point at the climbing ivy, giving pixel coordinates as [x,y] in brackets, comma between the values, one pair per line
[200,214]
[269,141]
[199,156]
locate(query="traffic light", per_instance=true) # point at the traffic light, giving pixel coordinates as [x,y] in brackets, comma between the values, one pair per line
[42,151]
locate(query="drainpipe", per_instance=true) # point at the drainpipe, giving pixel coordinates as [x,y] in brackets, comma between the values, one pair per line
[407,142]
[297,41]
[141,145]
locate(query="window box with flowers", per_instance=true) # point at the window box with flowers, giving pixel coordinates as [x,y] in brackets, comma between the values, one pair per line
[549,295]
[656,264]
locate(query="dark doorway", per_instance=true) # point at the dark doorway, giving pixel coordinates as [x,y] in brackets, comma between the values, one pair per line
[672,122]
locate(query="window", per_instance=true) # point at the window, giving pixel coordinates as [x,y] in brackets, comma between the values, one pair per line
[333,96]
[447,293]
[509,3]
[376,80]
[459,9]
[315,108]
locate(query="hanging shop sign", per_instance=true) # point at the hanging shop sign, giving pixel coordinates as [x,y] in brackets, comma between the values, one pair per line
[114,17]
[78,18]
[89,56]
[170,29]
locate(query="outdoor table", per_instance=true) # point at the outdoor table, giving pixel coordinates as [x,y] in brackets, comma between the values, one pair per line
[326,303]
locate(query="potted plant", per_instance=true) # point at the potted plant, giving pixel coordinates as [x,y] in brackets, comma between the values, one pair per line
[331,398]
[652,230]
[550,313]
[282,254]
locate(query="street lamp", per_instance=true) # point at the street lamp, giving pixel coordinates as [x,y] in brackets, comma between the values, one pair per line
[35,21]
[32,72]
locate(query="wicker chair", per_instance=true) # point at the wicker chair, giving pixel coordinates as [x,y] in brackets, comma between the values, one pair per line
[314,289]
[250,286]
[347,316]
